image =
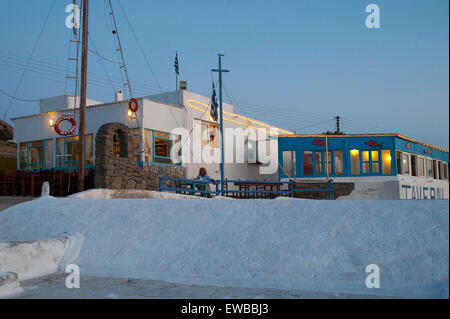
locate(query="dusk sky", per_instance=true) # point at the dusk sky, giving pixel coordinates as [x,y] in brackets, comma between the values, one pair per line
[295,64]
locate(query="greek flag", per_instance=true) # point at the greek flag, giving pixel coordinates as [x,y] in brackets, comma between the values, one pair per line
[177,70]
[214,105]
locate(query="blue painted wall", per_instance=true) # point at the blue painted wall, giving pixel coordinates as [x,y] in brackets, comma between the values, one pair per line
[347,143]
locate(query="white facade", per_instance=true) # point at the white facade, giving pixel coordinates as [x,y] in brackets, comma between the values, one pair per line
[180,110]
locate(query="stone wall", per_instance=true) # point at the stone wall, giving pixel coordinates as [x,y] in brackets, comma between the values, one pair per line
[121,171]
[340,189]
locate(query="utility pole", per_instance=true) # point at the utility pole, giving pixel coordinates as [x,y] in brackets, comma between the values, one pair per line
[222,162]
[82,126]
[338,124]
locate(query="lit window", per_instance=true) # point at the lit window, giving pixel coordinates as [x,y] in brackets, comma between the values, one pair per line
[355,162]
[366,162]
[328,168]
[375,162]
[148,145]
[386,162]
[160,147]
[289,163]
[209,134]
[318,163]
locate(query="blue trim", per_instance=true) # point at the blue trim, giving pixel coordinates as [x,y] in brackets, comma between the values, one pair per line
[344,144]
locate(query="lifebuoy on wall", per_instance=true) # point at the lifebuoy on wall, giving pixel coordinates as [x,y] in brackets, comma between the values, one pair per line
[133,105]
[62,119]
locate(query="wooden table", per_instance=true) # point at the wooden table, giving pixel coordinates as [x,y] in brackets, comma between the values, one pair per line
[259,186]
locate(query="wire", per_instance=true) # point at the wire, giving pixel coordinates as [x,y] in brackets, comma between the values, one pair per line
[102,57]
[29,58]
[18,98]
[147,62]
[101,62]
[302,128]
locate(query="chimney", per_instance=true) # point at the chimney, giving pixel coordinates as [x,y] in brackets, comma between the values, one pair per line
[119,95]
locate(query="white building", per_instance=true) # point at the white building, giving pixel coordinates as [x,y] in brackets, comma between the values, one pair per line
[40,147]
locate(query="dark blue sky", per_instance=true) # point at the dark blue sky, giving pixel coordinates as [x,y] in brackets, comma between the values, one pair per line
[293,63]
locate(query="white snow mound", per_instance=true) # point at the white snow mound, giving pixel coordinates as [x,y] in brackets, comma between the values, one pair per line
[308,244]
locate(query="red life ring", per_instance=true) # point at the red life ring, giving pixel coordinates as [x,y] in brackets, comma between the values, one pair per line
[133,105]
[62,119]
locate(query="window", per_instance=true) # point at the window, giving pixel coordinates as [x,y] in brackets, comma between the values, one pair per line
[209,134]
[413,165]
[444,171]
[399,162]
[252,151]
[355,162]
[405,163]
[148,145]
[366,162]
[328,162]
[436,170]
[89,149]
[23,156]
[313,163]
[49,150]
[290,163]
[159,147]
[163,144]
[67,151]
[307,163]
[441,170]
[318,163]
[71,151]
[430,168]
[35,155]
[338,163]
[375,162]
[176,150]
[386,162]
[420,166]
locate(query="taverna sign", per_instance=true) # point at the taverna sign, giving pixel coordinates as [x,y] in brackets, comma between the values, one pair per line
[418,191]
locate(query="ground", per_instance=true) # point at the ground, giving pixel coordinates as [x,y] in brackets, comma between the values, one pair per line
[53,287]
[6,202]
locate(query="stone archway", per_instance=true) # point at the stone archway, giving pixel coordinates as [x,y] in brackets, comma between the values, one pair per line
[120,170]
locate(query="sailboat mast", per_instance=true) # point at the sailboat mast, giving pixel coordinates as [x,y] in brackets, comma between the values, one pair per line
[82,125]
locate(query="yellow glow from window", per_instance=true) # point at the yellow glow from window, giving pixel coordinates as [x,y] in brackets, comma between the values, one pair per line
[388,158]
[354,152]
[131,114]
[189,103]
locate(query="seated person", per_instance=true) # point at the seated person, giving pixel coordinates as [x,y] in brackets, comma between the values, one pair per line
[203,176]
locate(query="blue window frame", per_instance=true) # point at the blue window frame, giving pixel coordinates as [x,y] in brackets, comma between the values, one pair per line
[36,155]
[158,147]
